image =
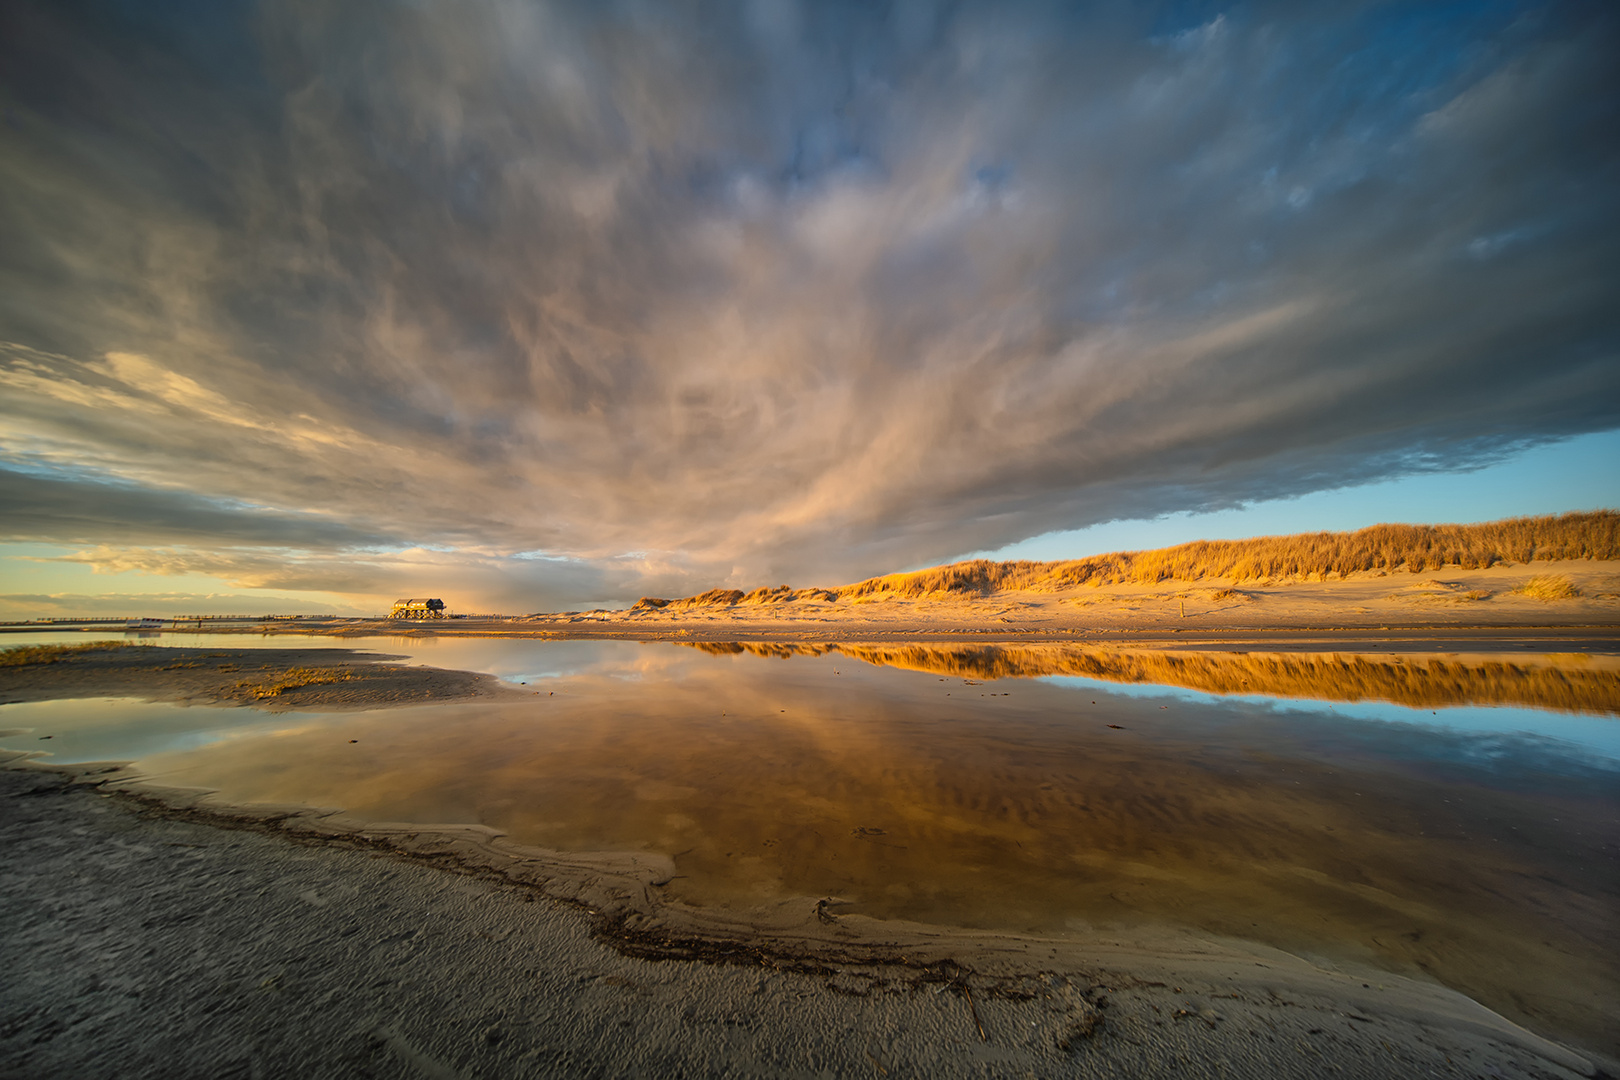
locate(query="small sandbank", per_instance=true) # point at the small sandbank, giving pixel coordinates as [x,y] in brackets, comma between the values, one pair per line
[277,680]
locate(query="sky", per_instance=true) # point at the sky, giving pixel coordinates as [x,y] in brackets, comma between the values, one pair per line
[535,306]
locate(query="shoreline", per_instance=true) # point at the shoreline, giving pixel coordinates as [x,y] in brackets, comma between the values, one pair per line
[1138,986]
[1597,638]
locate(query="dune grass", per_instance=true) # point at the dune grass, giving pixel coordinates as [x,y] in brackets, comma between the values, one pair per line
[294,678]
[1325,555]
[782,594]
[1549,587]
[1414,548]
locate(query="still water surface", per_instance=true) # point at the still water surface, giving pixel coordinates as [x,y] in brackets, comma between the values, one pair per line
[1479,843]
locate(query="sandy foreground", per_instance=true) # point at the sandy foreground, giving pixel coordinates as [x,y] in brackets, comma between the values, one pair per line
[152,931]
[145,939]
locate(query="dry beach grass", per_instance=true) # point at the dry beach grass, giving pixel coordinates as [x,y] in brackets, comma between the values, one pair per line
[1412,548]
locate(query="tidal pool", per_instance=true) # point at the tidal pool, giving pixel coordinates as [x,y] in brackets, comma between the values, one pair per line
[1454,816]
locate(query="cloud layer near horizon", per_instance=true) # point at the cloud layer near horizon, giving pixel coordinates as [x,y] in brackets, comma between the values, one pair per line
[698,294]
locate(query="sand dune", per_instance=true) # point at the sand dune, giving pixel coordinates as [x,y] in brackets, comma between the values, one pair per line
[1554,570]
[1303,557]
[1564,593]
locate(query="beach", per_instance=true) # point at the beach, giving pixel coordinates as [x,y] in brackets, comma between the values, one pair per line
[177,934]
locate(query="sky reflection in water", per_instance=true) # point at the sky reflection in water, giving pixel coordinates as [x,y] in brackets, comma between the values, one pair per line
[1417,839]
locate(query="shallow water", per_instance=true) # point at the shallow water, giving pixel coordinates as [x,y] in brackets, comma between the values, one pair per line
[1475,842]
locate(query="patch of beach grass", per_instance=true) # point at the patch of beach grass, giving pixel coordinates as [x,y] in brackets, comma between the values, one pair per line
[295,679]
[26,655]
[1549,587]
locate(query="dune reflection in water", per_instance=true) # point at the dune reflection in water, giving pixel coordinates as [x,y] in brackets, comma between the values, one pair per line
[1575,683]
[1488,861]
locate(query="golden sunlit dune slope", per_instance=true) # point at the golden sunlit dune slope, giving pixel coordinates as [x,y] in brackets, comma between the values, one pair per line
[1416,548]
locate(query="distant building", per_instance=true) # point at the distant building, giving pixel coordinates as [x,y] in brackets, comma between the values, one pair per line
[417,609]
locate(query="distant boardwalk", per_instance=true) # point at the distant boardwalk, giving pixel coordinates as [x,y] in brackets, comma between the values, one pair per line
[417,609]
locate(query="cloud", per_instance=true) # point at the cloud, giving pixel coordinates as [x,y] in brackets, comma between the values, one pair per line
[119,605]
[251,569]
[367,581]
[88,508]
[778,291]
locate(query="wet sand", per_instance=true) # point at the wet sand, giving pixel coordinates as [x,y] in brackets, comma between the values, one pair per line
[143,944]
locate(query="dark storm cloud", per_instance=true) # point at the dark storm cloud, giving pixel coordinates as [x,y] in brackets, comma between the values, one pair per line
[87,511]
[796,290]
[123,605]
